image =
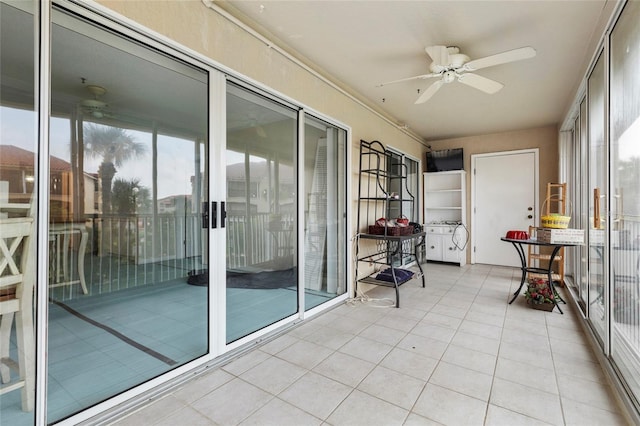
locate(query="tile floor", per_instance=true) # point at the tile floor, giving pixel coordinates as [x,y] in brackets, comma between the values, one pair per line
[454,353]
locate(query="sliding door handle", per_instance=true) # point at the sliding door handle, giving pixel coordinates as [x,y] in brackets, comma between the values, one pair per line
[223,214]
[205,215]
[214,214]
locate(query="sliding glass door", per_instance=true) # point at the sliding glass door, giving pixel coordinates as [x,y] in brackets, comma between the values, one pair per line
[261,212]
[625,208]
[18,187]
[135,293]
[597,194]
[127,253]
[324,212]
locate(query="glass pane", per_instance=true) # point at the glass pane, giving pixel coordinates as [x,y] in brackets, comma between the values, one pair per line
[625,205]
[400,165]
[324,194]
[411,191]
[18,147]
[584,203]
[597,197]
[125,240]
[261,223]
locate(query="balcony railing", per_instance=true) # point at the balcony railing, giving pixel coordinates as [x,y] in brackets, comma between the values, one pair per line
[126,251]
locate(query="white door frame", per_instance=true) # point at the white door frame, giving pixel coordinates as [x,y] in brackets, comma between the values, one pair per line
[536,177]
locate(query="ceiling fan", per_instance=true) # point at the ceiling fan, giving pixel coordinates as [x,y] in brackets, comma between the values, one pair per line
[450,65]
[95,107]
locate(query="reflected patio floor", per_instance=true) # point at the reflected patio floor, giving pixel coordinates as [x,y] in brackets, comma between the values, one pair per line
[117,337]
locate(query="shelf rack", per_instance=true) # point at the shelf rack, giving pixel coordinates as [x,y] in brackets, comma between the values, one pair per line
[383,193]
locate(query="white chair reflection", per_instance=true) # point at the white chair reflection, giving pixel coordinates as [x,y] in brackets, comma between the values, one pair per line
[17,279]
[61,240]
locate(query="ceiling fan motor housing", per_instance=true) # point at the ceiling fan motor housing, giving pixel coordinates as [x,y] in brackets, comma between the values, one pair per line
[458,60]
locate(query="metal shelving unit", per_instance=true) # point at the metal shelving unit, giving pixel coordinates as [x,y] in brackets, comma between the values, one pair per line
[380,248]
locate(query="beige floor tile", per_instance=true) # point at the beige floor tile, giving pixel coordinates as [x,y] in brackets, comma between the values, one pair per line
[526,354]
[524,338]
[595,394]
[392,386]
[276,345]
[398,322]
[411,313]
[280,413]
[520,311]
[468,358]
[186,416]
[569,350]
[362,409]
[306,328]
[524,327]
[460,304]
[450,408]
[481,329]
[498,416]
[344,368]
[273,375]
[366,349]
[586,370]
[369,313]
[245,362]
[477,343]
[462,380]
[526,374]
[410,363]
[305,354]
[382,334]
[569,321]
[350,325]
[442,320]
[329,337]
[424,346]
[434,331]
[316,394]
[570,335]
[444,309]
[416,420]
[232,402]
[578,414]
[485,317]
[528,401]
[332,316]
[206,383]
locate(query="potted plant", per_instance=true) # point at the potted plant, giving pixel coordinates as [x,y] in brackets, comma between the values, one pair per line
[539,295]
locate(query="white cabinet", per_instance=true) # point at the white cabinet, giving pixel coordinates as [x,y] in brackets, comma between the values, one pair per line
[445,216]
[447,243]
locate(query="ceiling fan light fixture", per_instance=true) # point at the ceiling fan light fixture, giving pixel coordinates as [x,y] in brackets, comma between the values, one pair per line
[458,60]
[93,103]
[449,76]
[96,90]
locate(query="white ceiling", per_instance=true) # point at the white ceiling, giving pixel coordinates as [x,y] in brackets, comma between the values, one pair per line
[364,43]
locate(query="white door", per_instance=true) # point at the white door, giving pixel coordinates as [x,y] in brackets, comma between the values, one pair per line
[505,198]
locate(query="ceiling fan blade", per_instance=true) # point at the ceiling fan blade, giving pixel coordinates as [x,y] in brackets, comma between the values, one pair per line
[431,90]
[501,58]
[481,83]
[418,77]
